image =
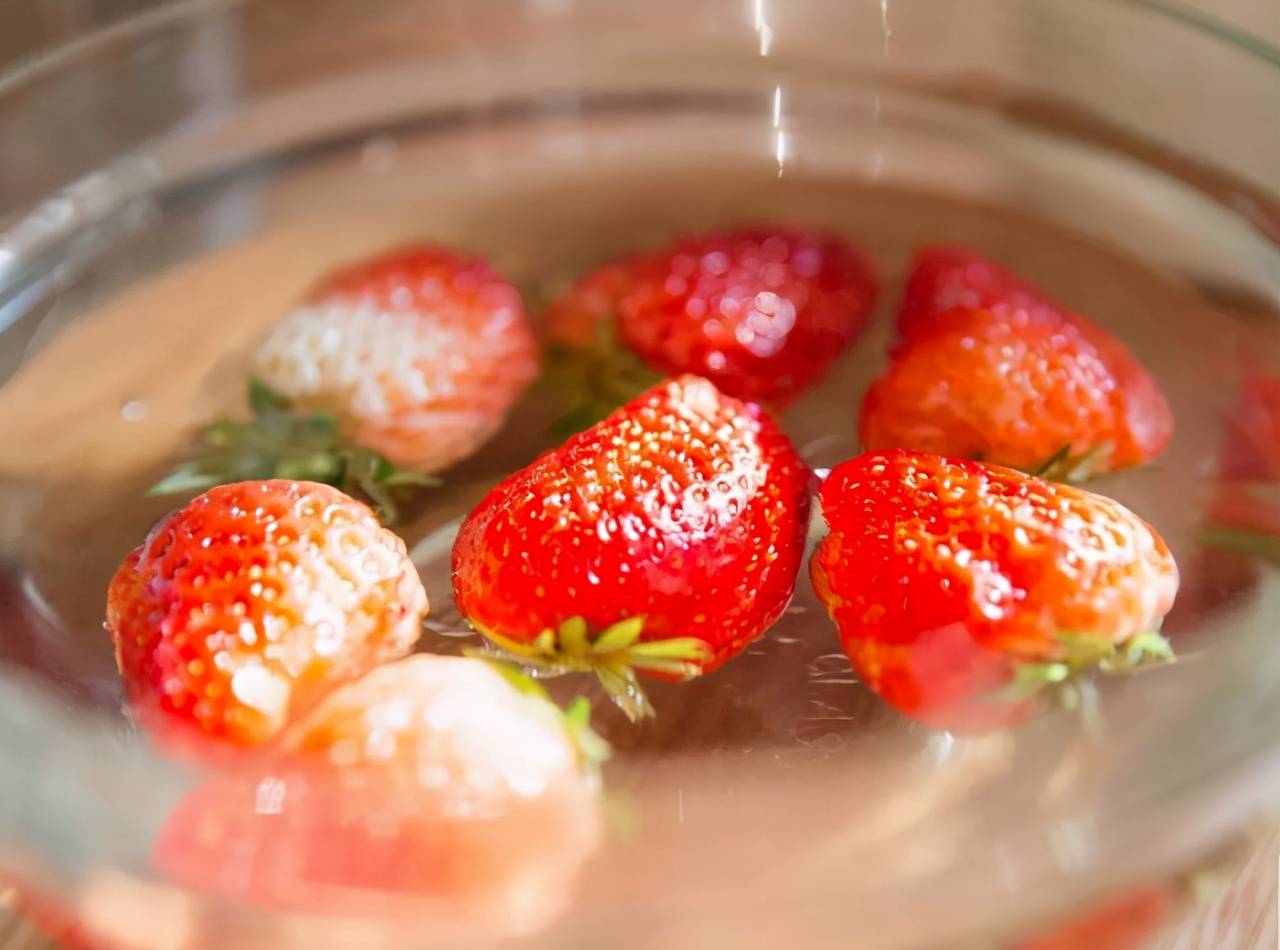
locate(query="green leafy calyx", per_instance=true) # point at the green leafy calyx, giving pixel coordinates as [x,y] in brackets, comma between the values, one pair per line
[1074,468]
[595,380]
[1081,654]
[280,443]
[616,655]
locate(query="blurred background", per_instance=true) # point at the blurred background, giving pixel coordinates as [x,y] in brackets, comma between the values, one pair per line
[27,25]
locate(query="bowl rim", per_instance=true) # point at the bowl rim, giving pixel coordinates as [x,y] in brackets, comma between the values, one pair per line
[107,29]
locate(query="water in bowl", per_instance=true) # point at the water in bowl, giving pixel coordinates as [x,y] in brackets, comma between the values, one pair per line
[144,332]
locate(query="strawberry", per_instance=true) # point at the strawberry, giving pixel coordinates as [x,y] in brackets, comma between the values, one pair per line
[429,777]
[942,278]
[244,608]
[662,540]
[953,583]
[1252,448]
[988,368]
[1244,514]
[1249,514]
[762,312]
[392,368]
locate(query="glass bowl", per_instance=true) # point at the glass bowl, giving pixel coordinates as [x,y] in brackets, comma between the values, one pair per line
[171,182]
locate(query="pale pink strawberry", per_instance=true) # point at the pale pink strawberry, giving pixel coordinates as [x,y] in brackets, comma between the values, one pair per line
[431,777]
[418,353]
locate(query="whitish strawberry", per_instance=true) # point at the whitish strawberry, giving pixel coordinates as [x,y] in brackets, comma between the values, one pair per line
[431,777]
[392,368]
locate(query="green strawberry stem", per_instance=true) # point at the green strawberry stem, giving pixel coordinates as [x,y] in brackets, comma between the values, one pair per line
[1064,466]
[1081,654]
[615,655]
[279,443]
[1259,544]
[595,380]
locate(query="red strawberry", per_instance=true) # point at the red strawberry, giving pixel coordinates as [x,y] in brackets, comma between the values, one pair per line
[664,540]
[430,777]
[409,360]
[943,278]
[251,603]
[950,581]
[1252,449]
[1244,514]
[1252,508]
[990,369]
[762,312]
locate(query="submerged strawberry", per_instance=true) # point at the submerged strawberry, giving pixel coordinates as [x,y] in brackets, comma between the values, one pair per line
[1244,514]
[247,606]
[960,589]
[1252,448]
[663,540]
[393,368]
[762,312]
[943,278]
[430,777]
[988,368]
